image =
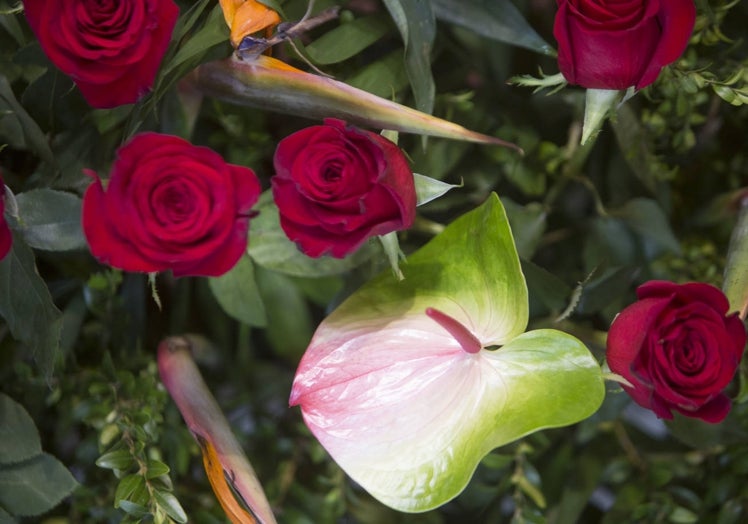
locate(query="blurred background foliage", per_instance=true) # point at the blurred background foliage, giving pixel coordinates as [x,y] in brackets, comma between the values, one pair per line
[655,196]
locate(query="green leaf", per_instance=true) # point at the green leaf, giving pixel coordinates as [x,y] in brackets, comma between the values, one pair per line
[417,25]
[133,509]
[169,503]
[213,32]
[50,220]
[552,292]
[496,19]
[285,306]
[408,405]
[127,486]
[19,438]
[238,295]
[647,219]
[383,78]
[120,459]
[607,288]
[5,518]
[156,468]
[27,306]
[428,189]
[33,135]
[528,225]
[35,486]
[269,247]
[347,40]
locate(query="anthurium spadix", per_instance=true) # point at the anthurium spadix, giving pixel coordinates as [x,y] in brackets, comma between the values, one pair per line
[409,384]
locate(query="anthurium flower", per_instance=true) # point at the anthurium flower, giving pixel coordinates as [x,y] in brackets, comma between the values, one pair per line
[409,384]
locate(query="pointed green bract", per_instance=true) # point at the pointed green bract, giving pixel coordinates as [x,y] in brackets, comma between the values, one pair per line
[597,106]
[399,402]
[736,270]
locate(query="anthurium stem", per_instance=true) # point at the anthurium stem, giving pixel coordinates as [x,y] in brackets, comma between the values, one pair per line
[462,334]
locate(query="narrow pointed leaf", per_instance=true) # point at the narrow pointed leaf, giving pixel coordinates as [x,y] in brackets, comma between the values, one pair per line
[275,86]
[496,19]
[417,25]
[395,384]
[225,462]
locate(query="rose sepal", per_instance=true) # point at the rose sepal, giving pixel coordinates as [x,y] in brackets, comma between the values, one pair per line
[598,105]
[401,388]
[736,270]
[272,85]
[226,466]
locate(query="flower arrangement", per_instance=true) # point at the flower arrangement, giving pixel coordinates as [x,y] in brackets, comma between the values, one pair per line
[339,256]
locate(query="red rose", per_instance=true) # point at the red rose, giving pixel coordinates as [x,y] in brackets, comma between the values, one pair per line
[678,349]
[111,49]
[170,205]
[6,238]
[337,185]
[615,45]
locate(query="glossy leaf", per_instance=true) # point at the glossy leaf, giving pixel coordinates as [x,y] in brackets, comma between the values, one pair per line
[496,19]
[27,307]
[169,503]
[238,295]
[50,220]
[398,384]
[347,40]
[19,438]
[35,486]
[648,220]
[285,307]
[32,134]
[417,25]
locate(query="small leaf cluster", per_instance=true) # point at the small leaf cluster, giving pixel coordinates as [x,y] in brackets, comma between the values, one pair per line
[128,434]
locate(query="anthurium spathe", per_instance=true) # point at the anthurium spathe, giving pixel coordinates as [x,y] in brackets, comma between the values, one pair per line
[402,383]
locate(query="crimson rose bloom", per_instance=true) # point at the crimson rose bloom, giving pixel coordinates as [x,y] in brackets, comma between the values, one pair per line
[6,238]
[678,349]
[170,205]
[337,185]
[110,48]
[615,45]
